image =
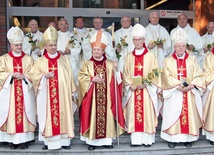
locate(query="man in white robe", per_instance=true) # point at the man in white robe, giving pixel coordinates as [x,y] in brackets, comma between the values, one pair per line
[123,40]
[68,45]
[79,32]
[33,41]
[208,38]
[87,50]
[157,38]
[194,41]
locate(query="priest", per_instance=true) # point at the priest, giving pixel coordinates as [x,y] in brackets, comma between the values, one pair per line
[18,114]
[183,86]
[54,85]
[100,95]
[141,104]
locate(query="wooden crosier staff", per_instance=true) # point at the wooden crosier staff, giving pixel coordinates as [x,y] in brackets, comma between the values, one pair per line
[115,82]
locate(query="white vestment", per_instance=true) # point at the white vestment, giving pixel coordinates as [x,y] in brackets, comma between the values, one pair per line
[193,39]
[87,50]
[27,46]
[154,32]
[63,44]
[120,34]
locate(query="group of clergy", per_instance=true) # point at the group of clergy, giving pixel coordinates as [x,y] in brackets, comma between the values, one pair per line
[112,98]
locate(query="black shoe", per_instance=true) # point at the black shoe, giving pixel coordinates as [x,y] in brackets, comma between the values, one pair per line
[13,146]
[212,142]
[23,146]
[109,146]
[188,144]
[147,145]
[66,147]
[45,147]
[171,145]
[132,145]
[90,147]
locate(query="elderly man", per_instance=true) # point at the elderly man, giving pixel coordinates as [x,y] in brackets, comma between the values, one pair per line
[97,97]
[208,38]
[87,50]
[208,102]
[68,45]
[79,32]
[194,41]
[123,40]
[141,99]
[18,114]
[157,38]
[183,86]
[54,85]
[33,41]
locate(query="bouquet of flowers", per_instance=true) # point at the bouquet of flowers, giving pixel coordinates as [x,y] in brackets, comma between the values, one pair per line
[122,42]
[210,46]
[159,41]
[194,50]
[71,42]
[153,74]
[31,41]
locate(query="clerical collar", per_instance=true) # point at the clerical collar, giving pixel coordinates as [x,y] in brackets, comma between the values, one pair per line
[98,59]
[53,55]
[80,30]
[16,54]
[139,52]
[154,27]
[180,56]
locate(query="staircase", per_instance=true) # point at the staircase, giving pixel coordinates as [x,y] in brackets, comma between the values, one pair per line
[78,147]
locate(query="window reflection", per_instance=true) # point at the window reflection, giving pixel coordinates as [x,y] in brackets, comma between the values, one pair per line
[39,3]
[120,4]
[22,22]
[168,5]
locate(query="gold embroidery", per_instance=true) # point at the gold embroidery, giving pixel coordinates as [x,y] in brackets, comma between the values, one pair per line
[101,102]
[19,102]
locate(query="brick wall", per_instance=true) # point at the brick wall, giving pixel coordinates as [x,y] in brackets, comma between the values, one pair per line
[204,13]
[3,28]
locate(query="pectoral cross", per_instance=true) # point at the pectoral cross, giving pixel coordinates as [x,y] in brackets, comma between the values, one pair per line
[139,66]
[18,67]
[181,69]
[53,68]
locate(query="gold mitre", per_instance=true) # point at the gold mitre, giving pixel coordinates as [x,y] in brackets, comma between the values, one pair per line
[50,35]
[138,31]
[179,36]
[15,35]
[99,39]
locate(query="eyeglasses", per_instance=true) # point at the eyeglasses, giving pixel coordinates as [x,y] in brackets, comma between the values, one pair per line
[180,46]
[137,40]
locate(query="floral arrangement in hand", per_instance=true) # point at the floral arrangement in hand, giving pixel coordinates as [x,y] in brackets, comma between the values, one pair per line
[153,74]
[31,41]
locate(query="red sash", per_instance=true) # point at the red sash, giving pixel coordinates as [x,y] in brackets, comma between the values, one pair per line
[181,70]
[138,94]
[18,93]
[54,95]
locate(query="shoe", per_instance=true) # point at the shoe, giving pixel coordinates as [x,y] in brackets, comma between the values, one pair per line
[23,146]
[66,147]
[212,142]
[171,145]
[13,146]
[133,145]
[147,145]
[45,147]
[188,144]
[90,147]
[109,146]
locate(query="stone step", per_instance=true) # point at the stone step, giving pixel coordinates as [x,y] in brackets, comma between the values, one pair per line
[160,148]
